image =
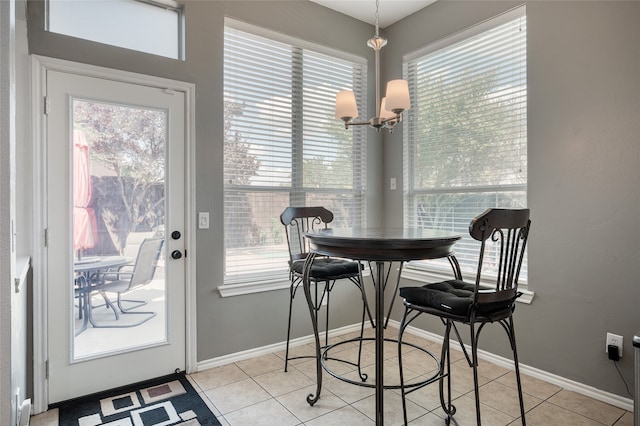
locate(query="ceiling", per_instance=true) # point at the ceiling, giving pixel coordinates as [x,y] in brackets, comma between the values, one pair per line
[365,10]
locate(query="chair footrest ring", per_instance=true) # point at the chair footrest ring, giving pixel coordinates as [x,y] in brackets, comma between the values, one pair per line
[433,378]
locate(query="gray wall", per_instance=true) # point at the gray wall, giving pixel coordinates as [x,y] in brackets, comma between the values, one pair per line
[584,170]
[583,167]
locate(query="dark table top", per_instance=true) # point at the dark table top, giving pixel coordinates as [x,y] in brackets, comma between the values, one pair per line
[383,244]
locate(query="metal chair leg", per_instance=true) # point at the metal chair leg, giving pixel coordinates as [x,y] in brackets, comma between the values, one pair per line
[286,354]
[474,355]
[107,303]
[401,370]
[112,306]
[362,375]
[312,398]
[512,338]
[445,359]
[124,310]
[326,292]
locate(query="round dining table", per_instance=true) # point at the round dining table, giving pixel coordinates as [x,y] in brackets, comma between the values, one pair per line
[379,246]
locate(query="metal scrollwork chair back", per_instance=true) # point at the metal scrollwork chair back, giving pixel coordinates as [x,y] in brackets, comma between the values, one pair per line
[298,221]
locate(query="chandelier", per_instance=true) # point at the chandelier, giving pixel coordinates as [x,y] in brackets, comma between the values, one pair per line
[388,109]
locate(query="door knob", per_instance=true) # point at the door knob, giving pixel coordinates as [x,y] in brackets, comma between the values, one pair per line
[176,254]
[176,235]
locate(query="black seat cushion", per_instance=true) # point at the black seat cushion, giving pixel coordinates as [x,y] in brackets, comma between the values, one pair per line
[456,297]
[453,296]
[328,268]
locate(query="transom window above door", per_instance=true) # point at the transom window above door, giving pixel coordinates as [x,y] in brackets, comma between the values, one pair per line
[151,26]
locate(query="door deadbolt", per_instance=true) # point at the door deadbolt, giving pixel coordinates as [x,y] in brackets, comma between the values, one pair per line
[176,235]
[176,254]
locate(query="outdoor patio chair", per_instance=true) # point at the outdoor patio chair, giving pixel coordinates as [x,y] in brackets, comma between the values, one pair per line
[131,277]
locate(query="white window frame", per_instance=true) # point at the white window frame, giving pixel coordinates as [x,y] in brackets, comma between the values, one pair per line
[427,271]
[268,281]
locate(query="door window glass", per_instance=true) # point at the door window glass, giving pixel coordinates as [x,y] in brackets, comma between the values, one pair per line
[118,214]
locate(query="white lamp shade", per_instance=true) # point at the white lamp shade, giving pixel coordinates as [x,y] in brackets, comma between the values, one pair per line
[398,95]
[384,112]
[346,107]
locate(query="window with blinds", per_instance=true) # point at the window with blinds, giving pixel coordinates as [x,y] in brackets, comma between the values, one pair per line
[282,145]
[465,140]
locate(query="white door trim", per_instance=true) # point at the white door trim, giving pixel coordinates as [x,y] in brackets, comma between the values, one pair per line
[39,66]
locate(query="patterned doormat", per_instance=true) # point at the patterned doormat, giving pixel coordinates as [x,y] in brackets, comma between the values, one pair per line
[169,400]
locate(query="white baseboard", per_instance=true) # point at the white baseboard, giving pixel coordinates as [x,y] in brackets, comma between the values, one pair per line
[239,356]
[591,392]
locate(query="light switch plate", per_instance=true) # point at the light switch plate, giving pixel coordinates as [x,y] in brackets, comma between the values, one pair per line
[203,220]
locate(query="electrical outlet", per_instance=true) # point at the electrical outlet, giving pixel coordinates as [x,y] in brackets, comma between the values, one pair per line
[614,340]
[392,184]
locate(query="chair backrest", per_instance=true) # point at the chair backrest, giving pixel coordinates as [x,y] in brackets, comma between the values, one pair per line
[503,234]
[297,221]
[146,261]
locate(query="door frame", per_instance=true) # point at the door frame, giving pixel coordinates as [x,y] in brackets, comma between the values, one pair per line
[39,67]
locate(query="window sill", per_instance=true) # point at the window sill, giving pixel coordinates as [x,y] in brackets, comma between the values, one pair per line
[253,286]
[432,275]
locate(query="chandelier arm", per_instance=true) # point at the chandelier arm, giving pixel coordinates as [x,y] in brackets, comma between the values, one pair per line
[357,123]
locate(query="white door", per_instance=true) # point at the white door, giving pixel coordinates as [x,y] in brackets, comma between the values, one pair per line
[115,178]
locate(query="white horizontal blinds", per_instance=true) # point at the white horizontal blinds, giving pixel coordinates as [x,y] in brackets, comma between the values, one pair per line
[283,147]
[328,155]
[258,96]
[466,141]
[333,158]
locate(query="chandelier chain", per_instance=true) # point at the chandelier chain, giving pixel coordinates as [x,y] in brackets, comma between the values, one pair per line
[377,18]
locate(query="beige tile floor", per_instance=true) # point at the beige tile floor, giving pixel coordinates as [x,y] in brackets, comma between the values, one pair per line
[257,392]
